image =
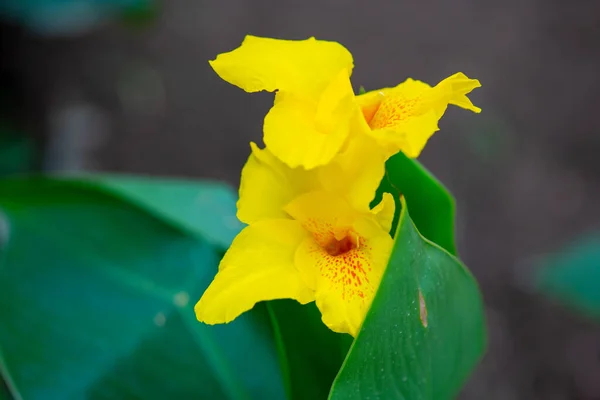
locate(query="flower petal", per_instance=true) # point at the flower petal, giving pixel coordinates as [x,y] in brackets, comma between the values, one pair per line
[356,172]
[455,88]
[310,133]
[384,212]
[302,66]
[323,214]
[403,118]
[345,284]
[410,137]
[267,185]
[258,266]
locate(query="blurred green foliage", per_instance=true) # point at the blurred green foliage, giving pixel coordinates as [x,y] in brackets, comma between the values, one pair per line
[98,295]
[17,152]
[66,17]
[572,275]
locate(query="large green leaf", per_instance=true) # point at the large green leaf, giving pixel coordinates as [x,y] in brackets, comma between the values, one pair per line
[97,300]
[311,354]
[431,205]
[425,330]
[206,209]
[572,275]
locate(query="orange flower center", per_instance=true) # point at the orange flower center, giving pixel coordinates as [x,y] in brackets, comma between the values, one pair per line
[370,110]
[389,111]
[346,265]
[338,247]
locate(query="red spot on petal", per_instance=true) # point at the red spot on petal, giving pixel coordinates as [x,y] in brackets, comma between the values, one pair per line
[345,263]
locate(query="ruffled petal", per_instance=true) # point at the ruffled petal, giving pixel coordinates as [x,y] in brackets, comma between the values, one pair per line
[258,266]
[345,284]
[410,138]
[356,173]
[384,212]
[344,257]
[403,118]
[267,185]
[455,88]
[301,66]
[325,215]
[310,133]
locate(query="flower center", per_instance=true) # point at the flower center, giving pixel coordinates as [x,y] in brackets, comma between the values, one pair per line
[339,247]
[369,110]
[392,111]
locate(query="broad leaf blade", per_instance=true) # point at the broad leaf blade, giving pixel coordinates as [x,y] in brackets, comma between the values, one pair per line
[431,205]
[97,301]
[411,350]
[206,209]
[312,354]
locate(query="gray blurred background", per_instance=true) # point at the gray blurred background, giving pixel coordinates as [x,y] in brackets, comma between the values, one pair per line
[525,172]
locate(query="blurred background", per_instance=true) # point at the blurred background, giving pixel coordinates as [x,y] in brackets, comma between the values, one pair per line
[125,86]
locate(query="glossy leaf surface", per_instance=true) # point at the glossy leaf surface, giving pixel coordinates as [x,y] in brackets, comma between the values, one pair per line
[431,205]
[97,302]
[425,330]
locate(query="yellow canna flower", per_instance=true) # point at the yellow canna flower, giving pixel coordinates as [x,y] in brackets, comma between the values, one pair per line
[311,236]
[311,233]
[325,251]
[403,118]
[268,185]
[309,122]
[315,110]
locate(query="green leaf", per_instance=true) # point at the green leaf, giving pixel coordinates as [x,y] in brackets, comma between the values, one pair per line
[205,209]
[431,205]
[573,275]
[97,299]
[424,332]
[4,391]
[312,354]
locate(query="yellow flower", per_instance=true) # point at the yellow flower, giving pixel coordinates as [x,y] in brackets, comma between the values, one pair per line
[327,251]
[309,121]
[315,110]
[403,118]
[311,236]
[311,233]
[268,185]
